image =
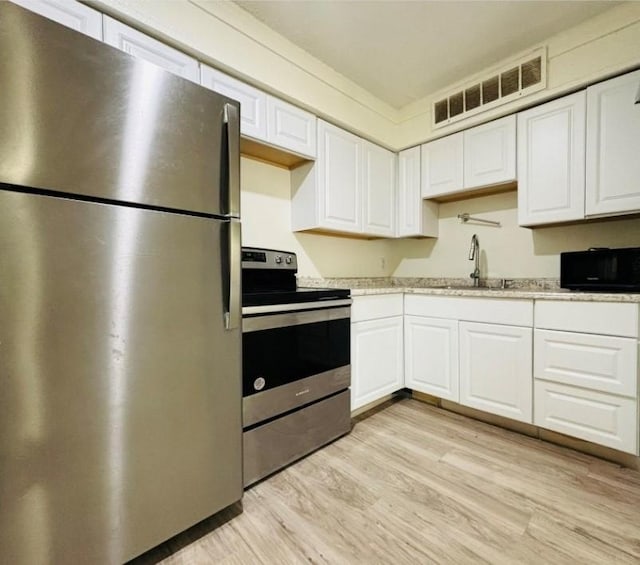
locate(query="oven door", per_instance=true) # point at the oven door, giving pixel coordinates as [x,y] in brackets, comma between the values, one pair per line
[293,358]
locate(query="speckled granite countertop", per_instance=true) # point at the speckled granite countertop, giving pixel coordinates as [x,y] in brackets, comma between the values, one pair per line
[538,289]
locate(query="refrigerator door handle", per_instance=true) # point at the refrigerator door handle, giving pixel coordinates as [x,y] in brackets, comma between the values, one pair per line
[232,274]
[232,121]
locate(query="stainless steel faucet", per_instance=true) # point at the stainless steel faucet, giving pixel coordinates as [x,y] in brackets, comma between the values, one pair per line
[474,254]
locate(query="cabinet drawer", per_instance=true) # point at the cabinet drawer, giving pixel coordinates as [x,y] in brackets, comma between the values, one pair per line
[602,363]
[608,318]
[593,416]
[509,312]
[376,306]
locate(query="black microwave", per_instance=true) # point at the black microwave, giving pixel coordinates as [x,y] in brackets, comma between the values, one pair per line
[601,269]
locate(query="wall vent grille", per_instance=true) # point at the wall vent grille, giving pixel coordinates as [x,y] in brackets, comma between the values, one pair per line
[505,84]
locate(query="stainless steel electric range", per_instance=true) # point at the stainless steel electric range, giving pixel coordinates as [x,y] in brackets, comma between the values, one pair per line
[296,363]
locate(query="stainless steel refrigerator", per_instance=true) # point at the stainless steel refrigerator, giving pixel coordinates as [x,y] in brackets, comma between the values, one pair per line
[120,378]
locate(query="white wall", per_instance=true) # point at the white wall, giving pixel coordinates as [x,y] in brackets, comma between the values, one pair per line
[266,221]
[508,251]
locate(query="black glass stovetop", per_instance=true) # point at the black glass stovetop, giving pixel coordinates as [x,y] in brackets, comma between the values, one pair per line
[296,296]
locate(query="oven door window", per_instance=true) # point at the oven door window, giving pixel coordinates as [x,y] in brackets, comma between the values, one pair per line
[277,356]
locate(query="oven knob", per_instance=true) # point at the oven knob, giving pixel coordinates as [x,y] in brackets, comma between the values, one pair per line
[288,260]
[278,259]
[259,383]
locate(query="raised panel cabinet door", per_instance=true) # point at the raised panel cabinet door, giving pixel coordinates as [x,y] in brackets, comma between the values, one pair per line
[376,360]
[339,178]
[290,127]
[551,161]
[613,146]
[253,102]
[598,362]
[415,217]
[490,153]
[67,13]
[379,192]
[431,356]
[496,369]
[149,49]
[442,166]
[606,419]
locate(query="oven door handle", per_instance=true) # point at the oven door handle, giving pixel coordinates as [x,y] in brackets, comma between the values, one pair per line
[282,308]
[286,319]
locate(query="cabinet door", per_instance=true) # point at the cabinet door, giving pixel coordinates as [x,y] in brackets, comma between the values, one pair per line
[490,153]
[551,161]
[416,217]
[144,47]
[339,178]
[290,127]
[442,166]
[67,13]
[379,192]
[496,369]
[376,360]
[253,102]
[431,356]
[613,146]
[605,419]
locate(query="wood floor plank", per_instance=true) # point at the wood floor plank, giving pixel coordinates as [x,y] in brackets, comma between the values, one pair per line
[415,484]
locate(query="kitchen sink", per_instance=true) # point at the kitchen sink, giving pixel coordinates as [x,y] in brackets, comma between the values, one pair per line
[465,287]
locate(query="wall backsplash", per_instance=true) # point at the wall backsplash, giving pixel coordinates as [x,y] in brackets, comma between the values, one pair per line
[506,252]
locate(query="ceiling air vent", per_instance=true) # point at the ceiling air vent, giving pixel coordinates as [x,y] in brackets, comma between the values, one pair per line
[509,82]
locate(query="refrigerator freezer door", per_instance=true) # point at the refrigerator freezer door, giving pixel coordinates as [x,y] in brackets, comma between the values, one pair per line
[81,117]
[120,388]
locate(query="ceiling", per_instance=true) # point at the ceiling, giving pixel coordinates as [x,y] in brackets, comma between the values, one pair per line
[401,51]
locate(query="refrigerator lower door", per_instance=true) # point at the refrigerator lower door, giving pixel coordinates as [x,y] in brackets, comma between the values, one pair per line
[120,389]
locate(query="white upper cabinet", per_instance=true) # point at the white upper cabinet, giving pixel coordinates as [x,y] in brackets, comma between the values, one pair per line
[490,153]
[475,158]
[350,189]
[442,166]
[264,117]
[379,193]
[551,161]
[339,169]
[613,146]
[67,13]
[253,102]
[416,217]
[144,47]
[290,127]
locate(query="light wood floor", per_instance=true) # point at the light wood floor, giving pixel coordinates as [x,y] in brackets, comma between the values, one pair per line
[415,484]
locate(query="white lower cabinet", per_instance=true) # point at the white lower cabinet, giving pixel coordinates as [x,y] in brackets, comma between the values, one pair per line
[495,369]
[586,371]
[377,365]
[605,419]
[431,356]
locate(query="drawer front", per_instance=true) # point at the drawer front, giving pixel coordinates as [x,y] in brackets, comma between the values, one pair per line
[607,318]
[593,416]
[601,363]
[505,311]
[376,306]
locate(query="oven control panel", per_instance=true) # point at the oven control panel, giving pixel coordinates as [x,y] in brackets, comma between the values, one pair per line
[257,258]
